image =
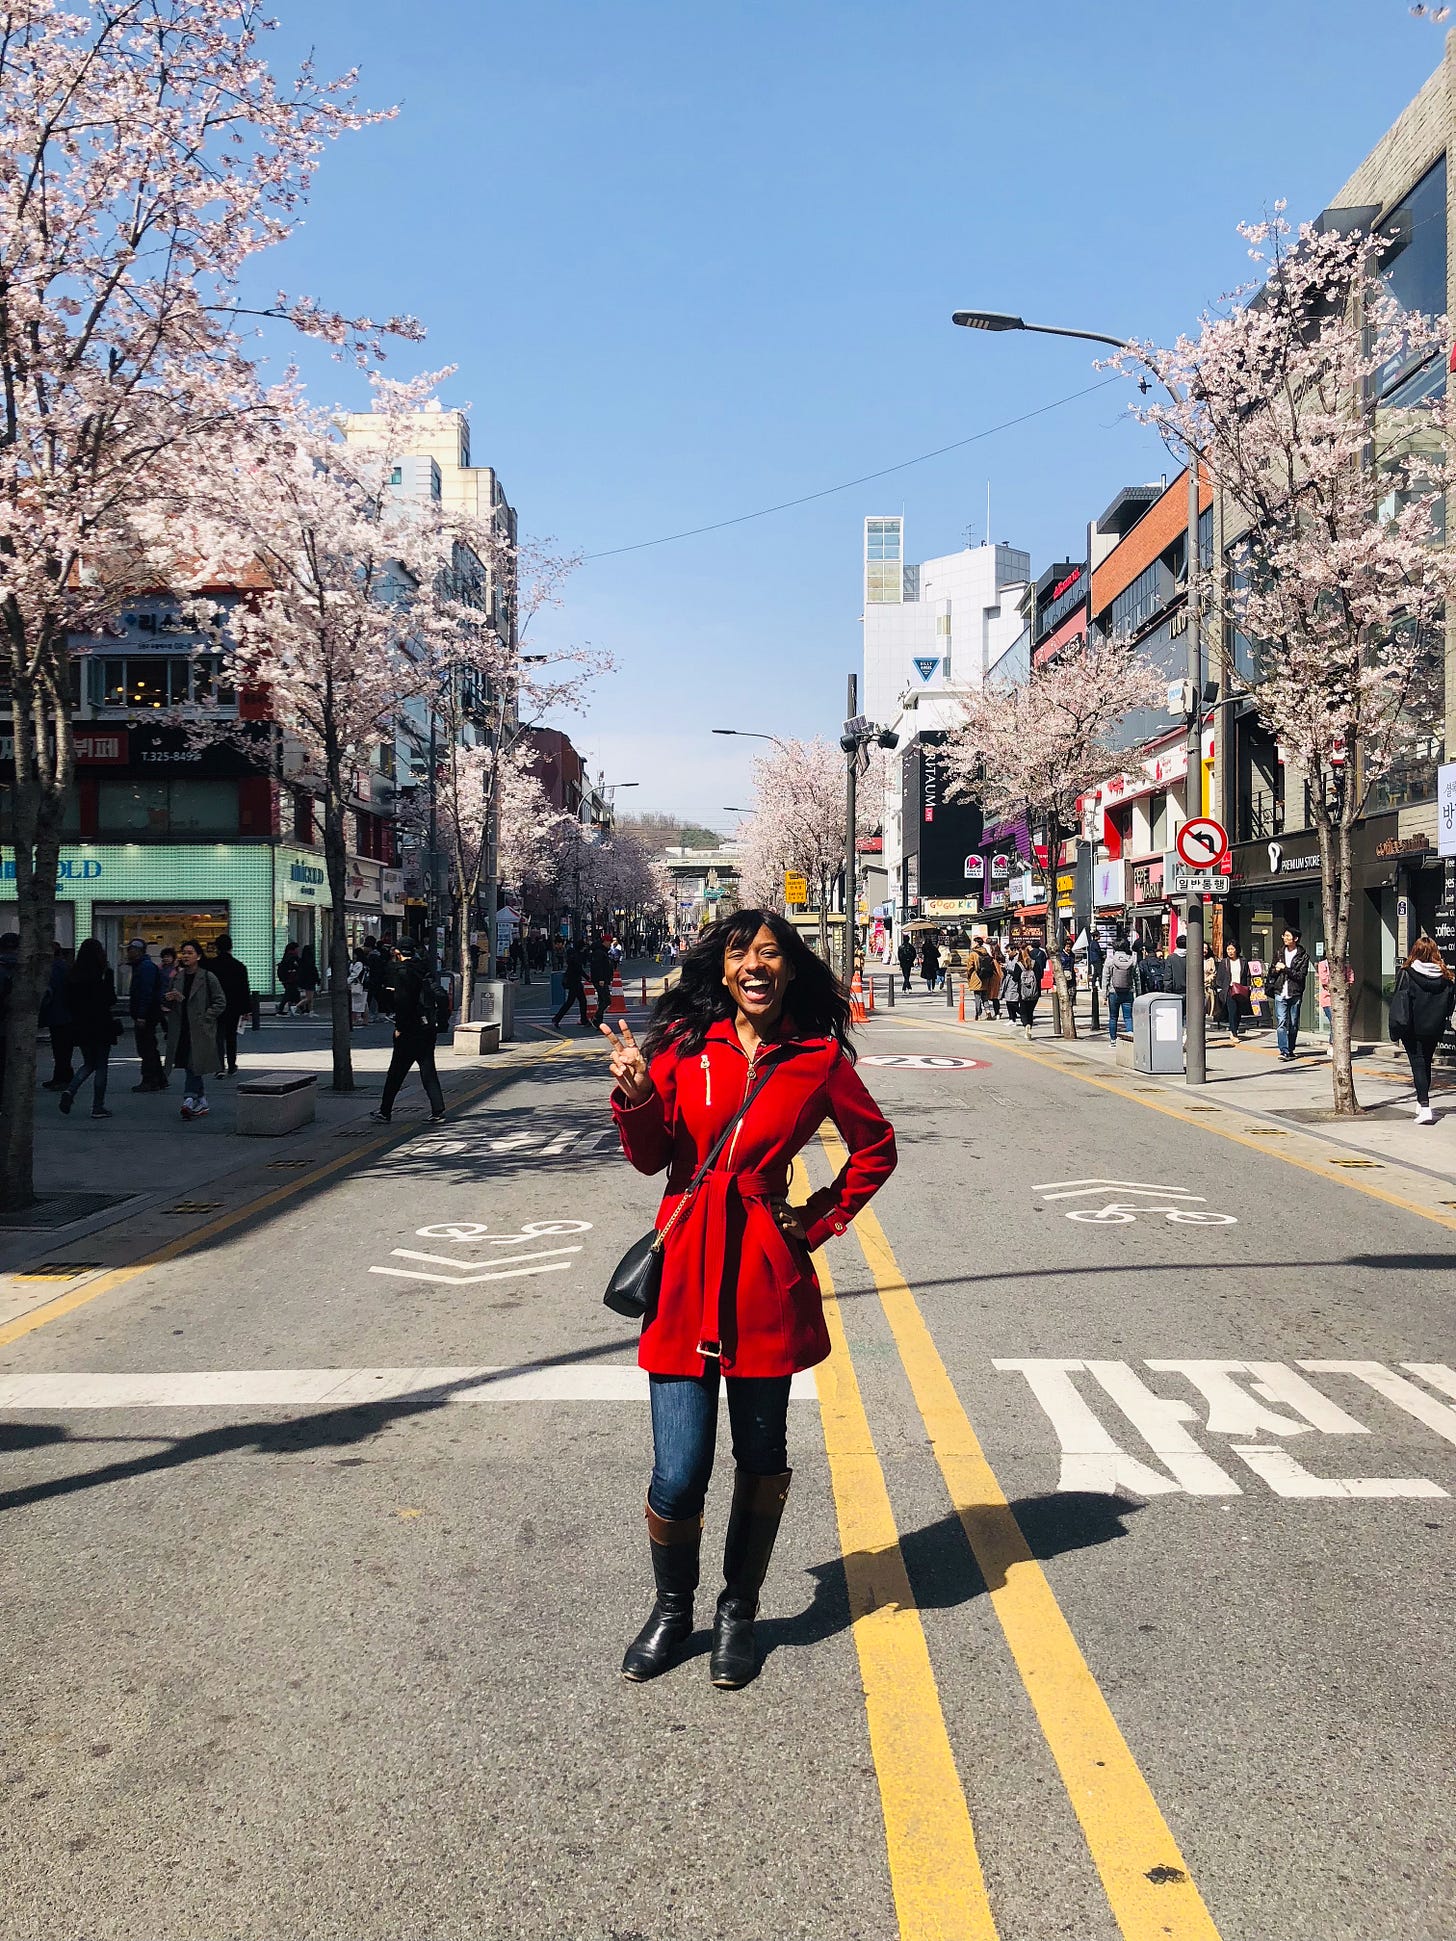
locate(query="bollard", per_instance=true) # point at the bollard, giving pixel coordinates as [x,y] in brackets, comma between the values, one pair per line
[644,990]
[950,990]
[892,990]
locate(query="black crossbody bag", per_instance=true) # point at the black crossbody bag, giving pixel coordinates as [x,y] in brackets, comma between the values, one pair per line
[632,1290]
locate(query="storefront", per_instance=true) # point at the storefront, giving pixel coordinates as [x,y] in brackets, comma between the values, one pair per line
[302,905]
[363,900]
[164,892]
[1148,909]
[1276,886]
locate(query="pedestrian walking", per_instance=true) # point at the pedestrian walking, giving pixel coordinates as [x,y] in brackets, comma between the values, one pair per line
[421,1011]
[601,976]
[1033,969]
[930,961]
[194,1003]
[739,1304]
[1285,980]
[906,956]
[91,1001]
[1420,1016]
[308,979]
[358,979]
[998,977]
[979,968]
[1011,975]
[144,1004]
[288,979]
[1119,981]
[572,973]
[232,973]
[1177,977]
[56,1017]
[1232,981]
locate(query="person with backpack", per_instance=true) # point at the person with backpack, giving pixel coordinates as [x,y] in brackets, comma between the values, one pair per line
[308,979]
[1033,969]
[232,973]
[906,956]
[1119,985]
[91,1001]
[978,976]
[421,1010]
[1420,1016]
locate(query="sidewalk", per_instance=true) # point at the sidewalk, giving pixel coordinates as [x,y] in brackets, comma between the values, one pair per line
[1247,1077]
[146,1174]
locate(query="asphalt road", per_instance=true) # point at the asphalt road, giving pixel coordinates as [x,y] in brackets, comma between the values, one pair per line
[327,1645]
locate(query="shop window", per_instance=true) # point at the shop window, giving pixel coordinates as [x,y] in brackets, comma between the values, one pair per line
[131,809]
[1413,266]
[1158,820]
[203,808]
[302,816]
[192,808]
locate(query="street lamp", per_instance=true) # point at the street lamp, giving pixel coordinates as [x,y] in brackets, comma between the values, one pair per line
[1000,320]
[749,734]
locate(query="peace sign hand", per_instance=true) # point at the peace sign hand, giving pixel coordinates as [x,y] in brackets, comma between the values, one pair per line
[628,1066]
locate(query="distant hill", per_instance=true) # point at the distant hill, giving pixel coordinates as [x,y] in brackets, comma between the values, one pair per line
[661,831]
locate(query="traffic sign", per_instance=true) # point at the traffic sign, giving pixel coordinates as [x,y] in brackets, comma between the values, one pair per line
[1201,841]
[1182,881]
[796,887]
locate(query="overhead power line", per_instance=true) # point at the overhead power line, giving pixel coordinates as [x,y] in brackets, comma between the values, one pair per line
[828,491]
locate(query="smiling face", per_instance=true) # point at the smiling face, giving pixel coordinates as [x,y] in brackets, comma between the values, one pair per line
[758,976]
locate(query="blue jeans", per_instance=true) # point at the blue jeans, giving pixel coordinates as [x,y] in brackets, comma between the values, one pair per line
[95,1058]
[685,1434]
[1286,1017]
[195,1087]
[1119,1005]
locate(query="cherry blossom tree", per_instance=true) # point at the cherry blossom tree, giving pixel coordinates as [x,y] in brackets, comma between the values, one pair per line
[1033,748]
[1342,570]
[797,824]
[360,599]
[147,154]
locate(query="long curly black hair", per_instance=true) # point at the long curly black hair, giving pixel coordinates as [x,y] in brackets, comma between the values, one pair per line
[816,1001]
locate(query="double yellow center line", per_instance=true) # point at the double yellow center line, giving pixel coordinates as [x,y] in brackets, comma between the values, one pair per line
[940,1892]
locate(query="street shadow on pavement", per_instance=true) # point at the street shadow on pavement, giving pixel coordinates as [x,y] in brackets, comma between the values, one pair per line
[942,1569]
[343,1427]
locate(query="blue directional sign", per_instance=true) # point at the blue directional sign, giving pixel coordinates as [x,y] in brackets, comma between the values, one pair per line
[926,665]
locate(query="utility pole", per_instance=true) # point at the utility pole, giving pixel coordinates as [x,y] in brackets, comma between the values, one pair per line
[1193,1000]
[851,780]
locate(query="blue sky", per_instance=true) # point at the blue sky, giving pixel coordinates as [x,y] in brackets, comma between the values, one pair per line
[695,258]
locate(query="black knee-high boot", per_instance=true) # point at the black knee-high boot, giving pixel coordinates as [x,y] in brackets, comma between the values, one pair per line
[675,1544]
[753,1525]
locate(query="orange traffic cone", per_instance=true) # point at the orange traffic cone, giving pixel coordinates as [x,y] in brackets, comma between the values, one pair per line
[961,1007]
[589,992]
[617,1008]
[856,1000]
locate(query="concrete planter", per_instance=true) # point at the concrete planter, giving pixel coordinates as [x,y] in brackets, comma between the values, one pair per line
[475,1040]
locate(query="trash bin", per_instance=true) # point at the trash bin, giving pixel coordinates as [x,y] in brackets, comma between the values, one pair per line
[493,1001]
[1157,1032]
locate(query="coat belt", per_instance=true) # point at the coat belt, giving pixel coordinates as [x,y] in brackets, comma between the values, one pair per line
[710,1219]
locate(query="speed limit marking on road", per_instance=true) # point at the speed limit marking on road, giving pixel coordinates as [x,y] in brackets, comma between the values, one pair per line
[907,1061]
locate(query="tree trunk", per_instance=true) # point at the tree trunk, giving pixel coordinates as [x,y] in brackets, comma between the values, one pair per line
[1335,883]
[824,918]
[42,776]
[335,862]
[467,889]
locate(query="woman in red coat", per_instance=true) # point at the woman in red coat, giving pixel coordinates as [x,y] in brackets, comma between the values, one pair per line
[739,1300]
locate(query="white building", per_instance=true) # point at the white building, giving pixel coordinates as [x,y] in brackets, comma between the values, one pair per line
[931,632]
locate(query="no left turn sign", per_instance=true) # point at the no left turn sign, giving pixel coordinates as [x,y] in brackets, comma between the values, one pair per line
[1201,841]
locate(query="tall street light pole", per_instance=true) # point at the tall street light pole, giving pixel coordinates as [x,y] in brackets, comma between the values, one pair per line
[1197,1055]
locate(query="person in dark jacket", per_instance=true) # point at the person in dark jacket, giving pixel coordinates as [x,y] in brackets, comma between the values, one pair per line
[930,962]
[91,1001]
[1420,1016]
[288,979]
[571,972]
[308,978]
[1285,980]
[144,1003]
[601,976]
[1176,979]
[56,1017]
[232,973]
[1232,983]
[412,990]
[906,956]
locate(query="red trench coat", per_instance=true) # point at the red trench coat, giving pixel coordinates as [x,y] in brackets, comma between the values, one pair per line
[730,1274]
